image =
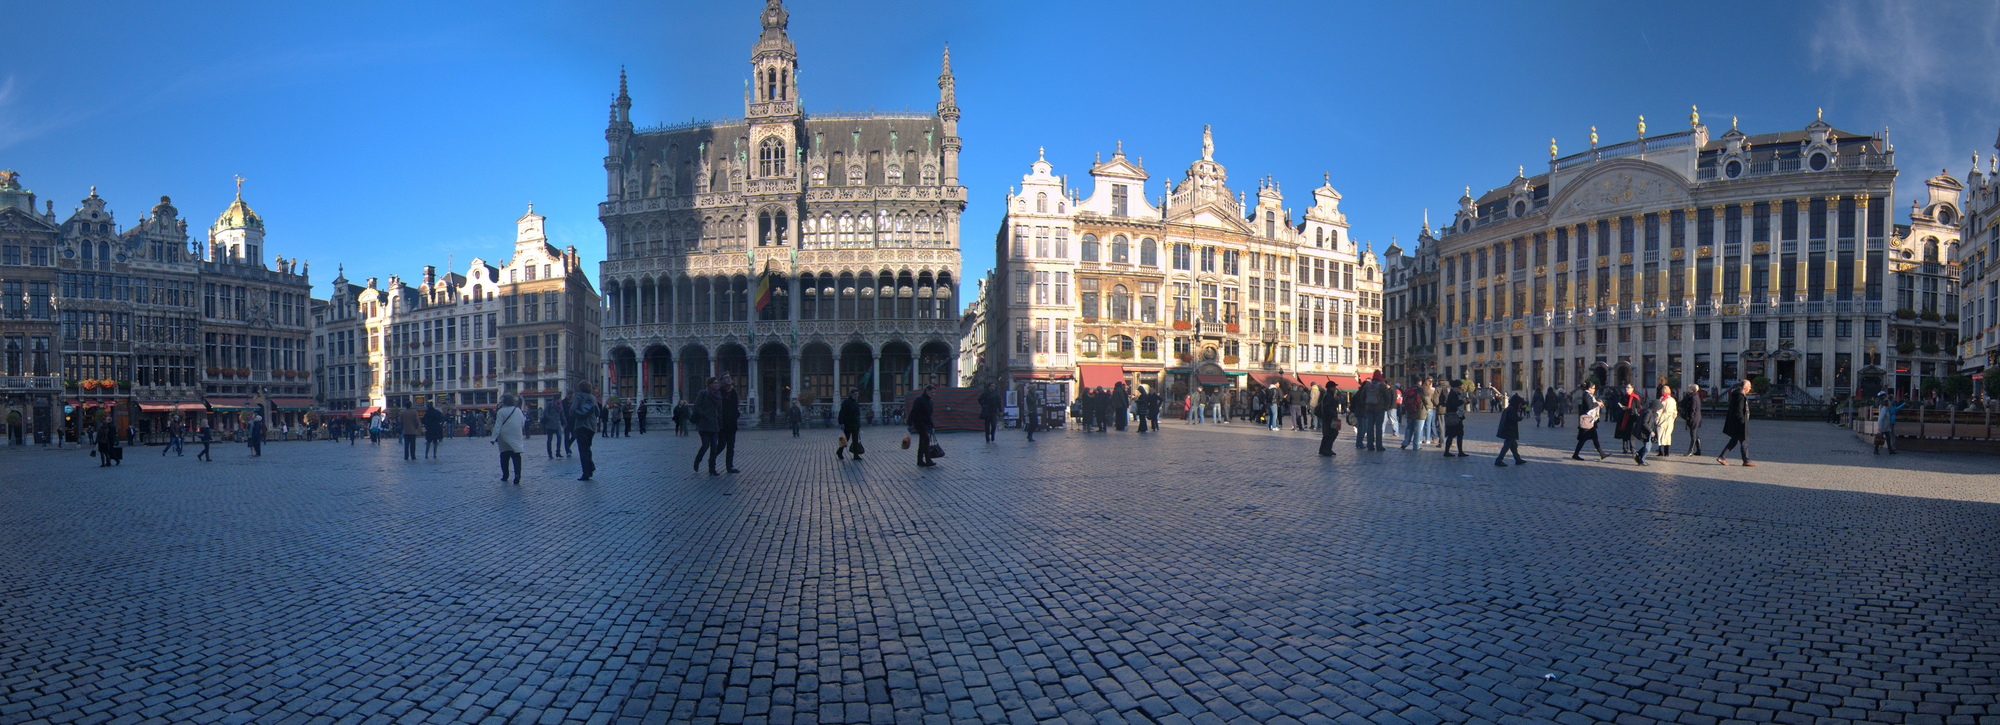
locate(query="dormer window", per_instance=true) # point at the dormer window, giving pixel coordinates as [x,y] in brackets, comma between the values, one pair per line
[1818,162]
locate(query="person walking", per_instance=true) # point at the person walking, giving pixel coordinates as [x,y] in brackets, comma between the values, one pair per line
[1456,404]
[1552,406]
[1885,423]
[730,405]
[1031,412]
[1535,406]
[257,432]
[412,421]
[1660,416]
[175,429]
[682,414]
[794,414]
[989,412]
[375,430]
[1588,412]
[433,429]
[552,428]
[107,445]
[1149,410]
[1414,415]
[205,439]
[1380,401]
[1510,430]
[1331,404]
[510,435]
[1621,407]
[584,410]
[1120,402]
[1433,391]
[850,426]
[1194,405]
[705,415]
[1360,403]
[924,426]
[1691,411]
[642,416]
[1737,425]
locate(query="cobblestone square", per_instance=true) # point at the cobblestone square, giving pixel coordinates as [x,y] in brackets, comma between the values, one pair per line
[1212,574]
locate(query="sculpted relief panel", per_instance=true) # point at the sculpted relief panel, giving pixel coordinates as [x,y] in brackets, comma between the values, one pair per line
[1616,190]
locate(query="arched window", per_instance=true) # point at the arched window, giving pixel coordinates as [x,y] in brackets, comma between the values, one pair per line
[1122,344]
[1087,344]
[1041,202]
[1089,248]
[771,156]
[1121,250]
[1121,303]
[1930,249]
[1149,347]
[1149,253]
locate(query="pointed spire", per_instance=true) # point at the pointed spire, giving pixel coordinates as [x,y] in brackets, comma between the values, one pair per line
[1593,137]
[1694,116]
[1642,126]
[947,88]
[1552,149]
[1041,153]
[622,95]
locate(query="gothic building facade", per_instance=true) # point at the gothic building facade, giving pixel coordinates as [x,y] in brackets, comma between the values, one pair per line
[802,252]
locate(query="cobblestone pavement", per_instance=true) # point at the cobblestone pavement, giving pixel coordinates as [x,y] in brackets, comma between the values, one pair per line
[1199,575]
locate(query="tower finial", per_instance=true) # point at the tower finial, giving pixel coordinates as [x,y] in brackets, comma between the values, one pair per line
[1642,126]
[622,95]
[1593,137]
[1552,149]
[1041,153]
[1819,115]
[1694,116]
[239,188]
[1732,123]
[947,85]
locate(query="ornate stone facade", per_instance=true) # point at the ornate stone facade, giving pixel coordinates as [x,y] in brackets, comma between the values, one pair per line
[1678,255]
[1203,288]
[852,219]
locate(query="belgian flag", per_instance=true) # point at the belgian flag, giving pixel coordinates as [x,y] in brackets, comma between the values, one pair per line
[763,291]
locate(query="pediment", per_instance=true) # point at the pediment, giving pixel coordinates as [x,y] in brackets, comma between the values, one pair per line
[1118,166]
[1619,186]
[1209,216]
[12,218]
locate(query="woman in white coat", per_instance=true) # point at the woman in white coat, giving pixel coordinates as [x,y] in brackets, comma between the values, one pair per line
[1660,417]
[510,434]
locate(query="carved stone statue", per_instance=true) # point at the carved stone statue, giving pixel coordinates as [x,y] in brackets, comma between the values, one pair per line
[1207,143]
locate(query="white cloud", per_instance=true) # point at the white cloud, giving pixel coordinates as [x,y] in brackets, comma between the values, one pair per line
[1926,68]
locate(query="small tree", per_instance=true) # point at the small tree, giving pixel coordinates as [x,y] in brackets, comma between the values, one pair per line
[1760,384]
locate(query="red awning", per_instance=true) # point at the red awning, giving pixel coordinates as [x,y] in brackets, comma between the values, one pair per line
[369,411]
[229,404]
[1042,376]
[1212,379]
[1345,383]
[153,407]
[1100,375]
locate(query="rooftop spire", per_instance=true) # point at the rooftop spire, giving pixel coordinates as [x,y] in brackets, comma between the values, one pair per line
[947,85]
[623,97]
[239,185]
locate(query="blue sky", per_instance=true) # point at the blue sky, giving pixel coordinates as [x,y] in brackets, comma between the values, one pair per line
[387,136]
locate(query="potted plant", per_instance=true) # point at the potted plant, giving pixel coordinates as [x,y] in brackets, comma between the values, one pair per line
[1231,359]
[124,385]
[214,372]
[89,383]
[1931,316]
[1122,354]
[1233,328]
[1183,325]
[67,383]
[1154,355]
[1090,353]
[1951,317]
[1906,347]
[1186,357]
[1906,313]
[1931,348]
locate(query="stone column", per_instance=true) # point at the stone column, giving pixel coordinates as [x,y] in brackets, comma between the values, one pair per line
[1803,257]
[793,357]
[875,382]
[1832,248]
[1861,256]
[756,388]
[1715,253]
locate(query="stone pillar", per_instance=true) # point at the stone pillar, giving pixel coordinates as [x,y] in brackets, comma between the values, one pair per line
[1861,259]
[875,382]
[1803,258]
[1715,253]
[756,388]
[1832,248]
[793,357]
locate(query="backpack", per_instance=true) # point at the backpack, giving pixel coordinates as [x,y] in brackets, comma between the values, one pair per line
[583,411]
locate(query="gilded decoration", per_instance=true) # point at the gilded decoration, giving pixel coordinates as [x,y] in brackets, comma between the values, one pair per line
[1481,283]
[1451,289]
[1520,324]
[1603,261]
[1677,253]
[1704,252]
[1760,248]
[1625,258]
[1542,271]
[1562,267]
[1732,310]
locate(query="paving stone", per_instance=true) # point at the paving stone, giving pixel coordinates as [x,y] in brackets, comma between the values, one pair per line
[1211,574]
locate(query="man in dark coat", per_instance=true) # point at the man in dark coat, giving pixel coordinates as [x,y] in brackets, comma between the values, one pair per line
[681,412]
[1031,411]
[1120,404]
[923,424]
[642,417]
[1331,404]
[850,424]
[1737,425]
[1691,412]
[725,434]
[1148,404]
[989,410]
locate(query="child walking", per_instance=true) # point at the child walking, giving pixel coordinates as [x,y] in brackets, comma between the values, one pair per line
[1510,430]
